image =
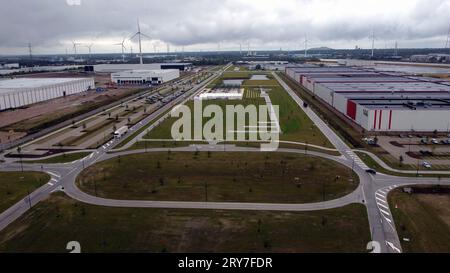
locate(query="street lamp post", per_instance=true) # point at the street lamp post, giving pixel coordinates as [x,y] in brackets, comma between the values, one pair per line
[206,191]
[19,150]
[29,198]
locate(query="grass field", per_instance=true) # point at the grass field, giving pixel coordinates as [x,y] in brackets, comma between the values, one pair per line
[218,176]
[61,158]
[423,218]
[163,131]
[15,185]
[295,124]
[54,222]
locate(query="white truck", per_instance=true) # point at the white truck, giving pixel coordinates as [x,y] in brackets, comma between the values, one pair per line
[121,131]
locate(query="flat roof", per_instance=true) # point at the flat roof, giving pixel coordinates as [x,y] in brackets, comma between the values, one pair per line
[379,90]
[34,82]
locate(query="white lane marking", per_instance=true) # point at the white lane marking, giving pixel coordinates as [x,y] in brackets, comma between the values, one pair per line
[382,192]
[391,245]
[103,147]
[92,154]
[49,183]
[54,180]
[379,194]
[385,212]
[387,219]
[54,174]
[384,206]
[379,199]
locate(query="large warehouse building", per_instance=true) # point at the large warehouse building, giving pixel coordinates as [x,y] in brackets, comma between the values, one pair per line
[112,68]
[24,91]
[142,77]
[379,101]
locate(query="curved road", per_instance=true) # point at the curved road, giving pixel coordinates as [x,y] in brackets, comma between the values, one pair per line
[372,191]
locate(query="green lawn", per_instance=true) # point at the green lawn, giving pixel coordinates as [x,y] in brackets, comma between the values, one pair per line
[48,227]
[15,185]
[219,176]
[61,158]
[163,131]
[423,218]
[295,124]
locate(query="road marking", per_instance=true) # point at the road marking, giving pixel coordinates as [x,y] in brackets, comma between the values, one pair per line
[391,245]
[379,199]
[379,194]
[384,206]
[387,219]
[385,212]
[49,183]
[53,179]
[54,174]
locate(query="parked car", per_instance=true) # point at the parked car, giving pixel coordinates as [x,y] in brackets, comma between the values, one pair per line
[434,141]
[426,165]
[423,141]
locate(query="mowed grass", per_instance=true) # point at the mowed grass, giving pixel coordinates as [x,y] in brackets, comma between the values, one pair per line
[423,218]
[64,158]
[295,124]
[163,130]
[15,185]
[51,224]
[219,176]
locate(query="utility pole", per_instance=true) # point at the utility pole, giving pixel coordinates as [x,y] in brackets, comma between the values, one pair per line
[447,42]
[373,42]
[206,191]
[19,150]
[30,51]
[306,46]
[29,198]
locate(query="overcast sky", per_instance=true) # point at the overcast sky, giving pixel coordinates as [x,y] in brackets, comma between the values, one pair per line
[51,25]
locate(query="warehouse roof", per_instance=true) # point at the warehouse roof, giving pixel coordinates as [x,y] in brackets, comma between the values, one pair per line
[34,82]
[378,90]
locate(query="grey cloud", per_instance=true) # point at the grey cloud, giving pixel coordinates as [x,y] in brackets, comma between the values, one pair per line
[51,22]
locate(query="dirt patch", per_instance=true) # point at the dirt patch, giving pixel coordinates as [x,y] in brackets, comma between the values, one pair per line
[10,136]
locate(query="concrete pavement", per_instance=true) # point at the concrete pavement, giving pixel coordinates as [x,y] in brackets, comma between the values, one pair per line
[372,190]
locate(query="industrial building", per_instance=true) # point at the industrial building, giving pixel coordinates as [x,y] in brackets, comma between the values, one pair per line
[143,77]
[112,68]
[221,93]
[378,101]
[24,91]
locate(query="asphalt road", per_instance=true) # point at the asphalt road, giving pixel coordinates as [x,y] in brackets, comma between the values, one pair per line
[372,190]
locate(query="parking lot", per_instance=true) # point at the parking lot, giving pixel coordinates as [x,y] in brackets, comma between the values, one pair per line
[416,149]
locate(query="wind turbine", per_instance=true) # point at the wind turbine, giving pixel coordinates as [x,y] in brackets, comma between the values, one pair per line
[139,34]
[75,47]
[306,46]
[89,46]
[123,48]
[447,43]
[373,41]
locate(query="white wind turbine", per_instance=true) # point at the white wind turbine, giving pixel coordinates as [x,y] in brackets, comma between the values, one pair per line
[139,34]
[122,45]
